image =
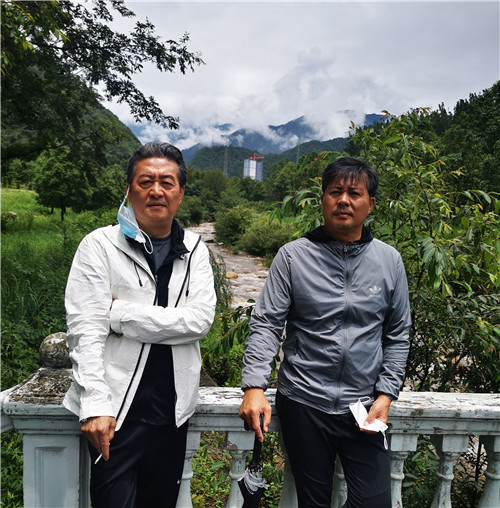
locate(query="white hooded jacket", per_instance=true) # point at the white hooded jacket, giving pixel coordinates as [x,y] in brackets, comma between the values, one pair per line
[111,287]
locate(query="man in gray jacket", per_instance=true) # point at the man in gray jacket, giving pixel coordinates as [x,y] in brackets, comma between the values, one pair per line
[342,298]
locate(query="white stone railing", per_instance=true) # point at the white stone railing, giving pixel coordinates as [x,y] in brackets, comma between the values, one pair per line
[56,463]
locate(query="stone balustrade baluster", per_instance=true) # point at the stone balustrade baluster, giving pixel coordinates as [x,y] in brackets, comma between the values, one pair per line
[491,492]
[400,445]
[448,448]
[339,486]
[239,445]
[192,446]
[289,493]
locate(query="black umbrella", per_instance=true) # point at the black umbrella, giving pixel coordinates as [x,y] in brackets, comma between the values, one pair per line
[252,485]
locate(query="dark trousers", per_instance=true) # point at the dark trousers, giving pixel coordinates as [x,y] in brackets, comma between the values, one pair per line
[313,439]
[144,469]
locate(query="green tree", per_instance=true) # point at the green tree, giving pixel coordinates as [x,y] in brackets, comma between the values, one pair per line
[232,197]
[61,183]
[252,190]
[194,181]
[215,181]
[449,241]
[231,224]
[281,181]
[472,142]
[54,56]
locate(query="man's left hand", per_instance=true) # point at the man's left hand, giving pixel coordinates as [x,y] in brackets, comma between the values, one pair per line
[379,410]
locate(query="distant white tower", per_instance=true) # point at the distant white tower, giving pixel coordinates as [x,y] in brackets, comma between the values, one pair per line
[252,168]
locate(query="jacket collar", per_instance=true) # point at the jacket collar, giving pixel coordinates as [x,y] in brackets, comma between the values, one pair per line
[134,249]
[319,235]
[177,247]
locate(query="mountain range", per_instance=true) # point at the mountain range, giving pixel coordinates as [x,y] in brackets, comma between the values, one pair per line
[276,142]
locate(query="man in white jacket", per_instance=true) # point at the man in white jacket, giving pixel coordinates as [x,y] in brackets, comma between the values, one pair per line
[140,296]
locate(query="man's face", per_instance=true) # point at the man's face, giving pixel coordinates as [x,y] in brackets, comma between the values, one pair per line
[346,204]
[155,195]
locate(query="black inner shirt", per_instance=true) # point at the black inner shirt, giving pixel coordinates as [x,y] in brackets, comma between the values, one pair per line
[154,401]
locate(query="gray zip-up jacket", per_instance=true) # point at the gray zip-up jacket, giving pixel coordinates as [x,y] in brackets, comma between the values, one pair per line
[347,316]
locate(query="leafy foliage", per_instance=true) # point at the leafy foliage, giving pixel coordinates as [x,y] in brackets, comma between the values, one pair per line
[420,475]
[472,141]
[449,240]
[55,54]
[263,237]
[449,243]
[231,224]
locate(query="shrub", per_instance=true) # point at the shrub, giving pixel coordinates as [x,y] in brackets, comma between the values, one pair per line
[264,237]
[231,224]
[191,212]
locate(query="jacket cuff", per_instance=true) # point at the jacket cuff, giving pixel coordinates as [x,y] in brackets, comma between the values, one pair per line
[245,388]
[89,409]
[388,395]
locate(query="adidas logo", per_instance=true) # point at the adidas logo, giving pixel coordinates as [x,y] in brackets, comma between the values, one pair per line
[374,290]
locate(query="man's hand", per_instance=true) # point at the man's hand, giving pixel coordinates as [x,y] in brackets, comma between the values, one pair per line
[255,404]
[380,410]
[99,431]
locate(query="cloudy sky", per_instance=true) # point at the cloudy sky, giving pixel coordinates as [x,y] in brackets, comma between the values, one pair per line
[271,62]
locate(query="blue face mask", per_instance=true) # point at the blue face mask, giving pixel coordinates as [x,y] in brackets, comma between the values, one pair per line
[129,227]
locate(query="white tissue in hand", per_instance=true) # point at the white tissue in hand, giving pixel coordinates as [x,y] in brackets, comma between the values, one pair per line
[360,414]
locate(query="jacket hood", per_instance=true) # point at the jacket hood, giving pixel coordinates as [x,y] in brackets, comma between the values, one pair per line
[319,235]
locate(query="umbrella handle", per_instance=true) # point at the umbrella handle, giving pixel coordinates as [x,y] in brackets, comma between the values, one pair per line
[257,445]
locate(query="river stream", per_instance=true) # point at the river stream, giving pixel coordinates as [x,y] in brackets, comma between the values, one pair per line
[246,273]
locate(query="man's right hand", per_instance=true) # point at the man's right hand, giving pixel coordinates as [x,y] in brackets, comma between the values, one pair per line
[99,431]
[255,404]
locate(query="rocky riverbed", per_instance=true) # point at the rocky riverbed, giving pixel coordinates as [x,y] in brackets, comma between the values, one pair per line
[246,273]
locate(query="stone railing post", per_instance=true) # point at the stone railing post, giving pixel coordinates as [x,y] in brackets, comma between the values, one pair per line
[400,445]
[192,445]
[56,462]
[239,444]
[339,496]
[289,492]
[491,492]
[448,447]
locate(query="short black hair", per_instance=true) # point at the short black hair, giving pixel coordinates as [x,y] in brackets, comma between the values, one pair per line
[161,150]
[352,169]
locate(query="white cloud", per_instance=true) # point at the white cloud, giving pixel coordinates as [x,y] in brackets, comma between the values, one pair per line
[271,62]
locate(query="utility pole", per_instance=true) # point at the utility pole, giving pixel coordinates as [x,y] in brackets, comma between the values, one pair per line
[225,162]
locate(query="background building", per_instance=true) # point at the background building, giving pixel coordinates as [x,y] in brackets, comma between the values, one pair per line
[252,168]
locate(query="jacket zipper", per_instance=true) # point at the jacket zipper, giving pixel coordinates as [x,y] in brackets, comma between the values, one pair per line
[130,384]
[345,327]
[155,278]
